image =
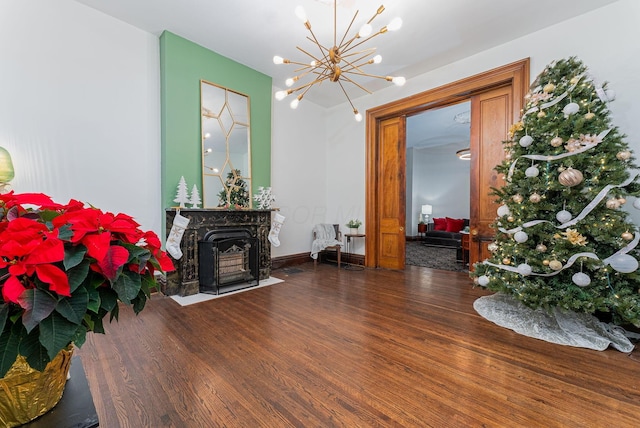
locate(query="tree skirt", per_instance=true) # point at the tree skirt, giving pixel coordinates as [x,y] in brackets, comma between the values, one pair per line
[558,326]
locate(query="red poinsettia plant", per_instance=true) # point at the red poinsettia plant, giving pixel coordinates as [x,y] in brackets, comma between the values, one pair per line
[63,268]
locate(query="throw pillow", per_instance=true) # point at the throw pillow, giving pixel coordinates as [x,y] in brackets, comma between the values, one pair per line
[454,224]
[440,224]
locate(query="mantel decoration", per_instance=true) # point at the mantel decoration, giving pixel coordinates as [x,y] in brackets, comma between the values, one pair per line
[63,268]
[340,62]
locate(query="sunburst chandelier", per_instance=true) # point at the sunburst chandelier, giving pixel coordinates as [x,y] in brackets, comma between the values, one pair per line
[340,62]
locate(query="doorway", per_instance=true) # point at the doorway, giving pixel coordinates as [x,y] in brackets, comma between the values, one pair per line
[497,97]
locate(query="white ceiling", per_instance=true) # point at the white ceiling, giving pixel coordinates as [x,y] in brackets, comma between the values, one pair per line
[434,32]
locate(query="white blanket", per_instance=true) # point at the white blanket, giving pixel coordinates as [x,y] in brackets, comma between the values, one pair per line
[325,237]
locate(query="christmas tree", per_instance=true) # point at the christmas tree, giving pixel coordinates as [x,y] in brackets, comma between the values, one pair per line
[562,237]
[235,193]
[182,193]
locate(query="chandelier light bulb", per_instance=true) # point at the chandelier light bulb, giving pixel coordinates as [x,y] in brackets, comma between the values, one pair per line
[289,82]
[280,95]
[358,116]
[294,103]
[395,24]
[301,14]
[377,59]
[278,60]
[365,30]
[399,81]
[313,63]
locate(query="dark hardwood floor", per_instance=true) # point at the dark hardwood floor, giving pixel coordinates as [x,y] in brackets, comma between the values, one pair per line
[329,348]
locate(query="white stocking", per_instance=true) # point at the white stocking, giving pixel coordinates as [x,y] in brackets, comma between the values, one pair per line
[180,223]
[275,229]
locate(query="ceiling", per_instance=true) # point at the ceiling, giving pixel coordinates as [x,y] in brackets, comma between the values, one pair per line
[434,32]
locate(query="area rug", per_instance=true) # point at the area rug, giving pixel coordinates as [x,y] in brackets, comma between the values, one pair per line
[203,297]
[441,258]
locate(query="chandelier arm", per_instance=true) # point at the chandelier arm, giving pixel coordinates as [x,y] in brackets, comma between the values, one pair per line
[353,65]
[378,12]
[313,56]
[346,95]
[387,78]
[322,48]
[348,48]
[308,85]
[342,44]
[355,83]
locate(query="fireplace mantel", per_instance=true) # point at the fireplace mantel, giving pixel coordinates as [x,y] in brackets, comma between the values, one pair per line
[184,280]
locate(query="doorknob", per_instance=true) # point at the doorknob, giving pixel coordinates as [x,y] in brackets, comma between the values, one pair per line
[401,229]
[474,232]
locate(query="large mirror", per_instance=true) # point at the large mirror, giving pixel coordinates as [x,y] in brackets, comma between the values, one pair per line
[226,149]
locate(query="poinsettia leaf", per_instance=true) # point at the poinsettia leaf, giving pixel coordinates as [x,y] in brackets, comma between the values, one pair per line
[113,261]
[137,255]
[73,255]
[75,307]
[38,305]
[147,282]
[80,337]
[4,314]
[31,348]
[56,333]
[108,299]
[9,342]
[127,286]
[139,302]
[94,299]
[77,275]
[65,232]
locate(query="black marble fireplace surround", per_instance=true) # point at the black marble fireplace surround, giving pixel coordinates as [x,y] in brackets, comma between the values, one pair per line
[185,281]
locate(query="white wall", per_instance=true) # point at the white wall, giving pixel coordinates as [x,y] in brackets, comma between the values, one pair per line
[80,107]
[604,39]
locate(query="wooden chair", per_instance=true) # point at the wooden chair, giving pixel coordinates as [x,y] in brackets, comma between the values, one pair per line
[333,247]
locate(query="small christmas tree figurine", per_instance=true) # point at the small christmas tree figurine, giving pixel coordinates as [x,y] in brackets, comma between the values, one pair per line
[182,194]
[235,193]
[195,197]
[562,239]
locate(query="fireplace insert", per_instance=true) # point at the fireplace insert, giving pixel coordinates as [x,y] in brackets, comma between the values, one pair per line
[228,260]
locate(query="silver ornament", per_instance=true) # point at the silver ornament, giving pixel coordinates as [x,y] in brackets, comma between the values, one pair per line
[541,247]
[564,216]
[483,280]
[526,141]
[623,155]
[612,204]
[570,177]
[627,236]
[517,198]
[535,198]
[520,237]
[570,108]
[555,265]
[532,171]
[623,263]
[493,247]
[524,269]
[581,279]
[636,203]
[503,210]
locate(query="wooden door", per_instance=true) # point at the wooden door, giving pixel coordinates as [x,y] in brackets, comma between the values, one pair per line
[391,216]
[491,116]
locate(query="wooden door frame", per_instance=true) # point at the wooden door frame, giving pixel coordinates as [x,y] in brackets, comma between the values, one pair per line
[515,74]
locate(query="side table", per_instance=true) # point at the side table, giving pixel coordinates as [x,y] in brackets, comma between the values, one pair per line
[350,236]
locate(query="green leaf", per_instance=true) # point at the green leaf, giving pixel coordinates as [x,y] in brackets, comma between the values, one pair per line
[36,354]
[139,302]
[78,274]
[80,337]
[74,255]
[9,342]
[73,308]
[93,304]
[4,314]
[38,305]
[127,286]
[56,333]
[65,233]
[108,299]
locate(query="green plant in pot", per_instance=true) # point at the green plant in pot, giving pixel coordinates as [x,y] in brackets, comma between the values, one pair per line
[354,224]
[63,268]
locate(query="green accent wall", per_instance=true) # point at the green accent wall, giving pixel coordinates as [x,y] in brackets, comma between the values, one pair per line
[182,65]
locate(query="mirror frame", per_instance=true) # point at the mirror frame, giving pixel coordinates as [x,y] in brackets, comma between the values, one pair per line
[222,175]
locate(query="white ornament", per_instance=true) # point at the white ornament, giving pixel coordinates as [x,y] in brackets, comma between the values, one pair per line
[526,141]
[636,204]
[503,210]
[493,247]
[611,94]
[483,280]
[524,269]
[624,263]
[570,108]
[623,155]
[564,216]
[532,171]
[581,279]
[520,237]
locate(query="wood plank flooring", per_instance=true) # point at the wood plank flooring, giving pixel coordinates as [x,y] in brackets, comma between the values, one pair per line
[330,348]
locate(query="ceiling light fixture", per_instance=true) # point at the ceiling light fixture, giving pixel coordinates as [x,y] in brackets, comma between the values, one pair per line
[464,154]
[340,62]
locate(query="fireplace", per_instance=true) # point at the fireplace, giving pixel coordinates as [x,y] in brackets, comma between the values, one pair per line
[228,260]
[185,280]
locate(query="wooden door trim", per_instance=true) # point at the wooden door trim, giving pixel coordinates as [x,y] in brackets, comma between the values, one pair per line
[515,74]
